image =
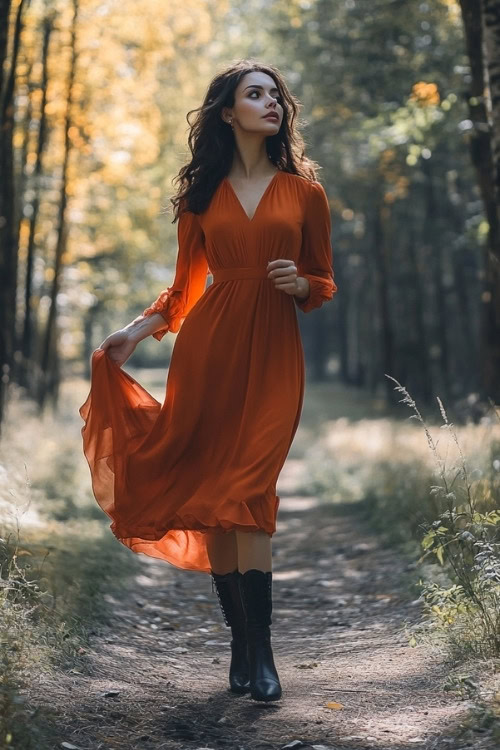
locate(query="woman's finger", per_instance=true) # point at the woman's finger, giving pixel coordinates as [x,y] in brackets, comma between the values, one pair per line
[282,271]
[290,278]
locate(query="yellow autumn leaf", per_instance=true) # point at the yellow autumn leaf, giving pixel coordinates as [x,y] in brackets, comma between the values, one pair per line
[439,554]
[334,705]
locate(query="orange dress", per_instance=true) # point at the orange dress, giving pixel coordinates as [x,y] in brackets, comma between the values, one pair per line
[208,458]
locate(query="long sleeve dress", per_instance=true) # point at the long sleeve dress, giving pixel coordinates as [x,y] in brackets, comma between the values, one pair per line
[208,458]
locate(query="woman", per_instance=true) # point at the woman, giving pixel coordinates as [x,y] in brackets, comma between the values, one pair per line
[193,481]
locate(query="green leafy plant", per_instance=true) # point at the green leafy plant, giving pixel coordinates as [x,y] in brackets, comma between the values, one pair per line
[465,540]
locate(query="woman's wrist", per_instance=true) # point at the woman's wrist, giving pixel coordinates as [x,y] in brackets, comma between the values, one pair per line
[303,288]
[144,325]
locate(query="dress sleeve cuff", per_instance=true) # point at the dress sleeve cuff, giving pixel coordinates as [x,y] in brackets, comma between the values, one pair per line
[170,306]
[320,290]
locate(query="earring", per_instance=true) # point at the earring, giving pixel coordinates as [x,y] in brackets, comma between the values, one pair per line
[231,123]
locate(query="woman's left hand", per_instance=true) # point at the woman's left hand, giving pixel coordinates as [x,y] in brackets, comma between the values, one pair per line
[284,274]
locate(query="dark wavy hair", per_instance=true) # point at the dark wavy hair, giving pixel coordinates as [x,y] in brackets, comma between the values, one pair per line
[211,140]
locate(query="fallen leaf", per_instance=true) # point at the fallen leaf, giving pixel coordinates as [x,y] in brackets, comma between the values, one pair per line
[334,705]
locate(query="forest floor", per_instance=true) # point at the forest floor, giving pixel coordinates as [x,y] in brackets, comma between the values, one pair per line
[155,675]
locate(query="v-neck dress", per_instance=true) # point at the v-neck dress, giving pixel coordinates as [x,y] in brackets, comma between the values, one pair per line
[209,457]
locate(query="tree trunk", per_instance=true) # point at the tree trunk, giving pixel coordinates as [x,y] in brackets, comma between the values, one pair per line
[320,346]
[8,223]
[4,35]
[436,254]
[343,312]
[26,368]
[491,29]
[482,160]
[49,364]
[382,287]
[422,348]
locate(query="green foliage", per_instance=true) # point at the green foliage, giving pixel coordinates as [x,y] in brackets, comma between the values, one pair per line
[465,540]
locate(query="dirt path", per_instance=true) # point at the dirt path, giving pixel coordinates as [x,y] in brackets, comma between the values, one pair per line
[157,677]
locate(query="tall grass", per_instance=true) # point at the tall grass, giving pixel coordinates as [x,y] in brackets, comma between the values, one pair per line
[465,538]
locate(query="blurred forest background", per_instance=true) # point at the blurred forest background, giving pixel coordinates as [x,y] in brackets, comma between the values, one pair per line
[397,111]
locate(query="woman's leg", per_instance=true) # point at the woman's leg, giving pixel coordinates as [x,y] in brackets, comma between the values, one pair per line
[222,552]
[254,551]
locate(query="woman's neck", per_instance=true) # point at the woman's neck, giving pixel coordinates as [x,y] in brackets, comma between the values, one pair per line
[250,159]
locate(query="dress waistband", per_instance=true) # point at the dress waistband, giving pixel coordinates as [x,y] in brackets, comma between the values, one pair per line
[244,272]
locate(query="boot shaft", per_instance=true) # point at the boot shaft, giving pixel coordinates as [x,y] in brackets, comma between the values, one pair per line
[226,586]
[256,595]
[228,592]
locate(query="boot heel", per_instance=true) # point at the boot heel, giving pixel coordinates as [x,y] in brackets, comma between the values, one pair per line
[256,594]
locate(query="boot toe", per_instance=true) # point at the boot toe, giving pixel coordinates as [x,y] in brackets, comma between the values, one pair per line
[266,690]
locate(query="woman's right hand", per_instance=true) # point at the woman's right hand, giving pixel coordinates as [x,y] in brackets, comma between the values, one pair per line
[119,345]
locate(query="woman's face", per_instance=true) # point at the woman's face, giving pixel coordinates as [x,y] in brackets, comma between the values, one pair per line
[256,100]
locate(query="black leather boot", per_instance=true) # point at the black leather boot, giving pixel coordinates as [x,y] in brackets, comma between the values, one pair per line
[256,593]
[228,593]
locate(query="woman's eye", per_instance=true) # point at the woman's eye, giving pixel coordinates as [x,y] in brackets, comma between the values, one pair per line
[278,98]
